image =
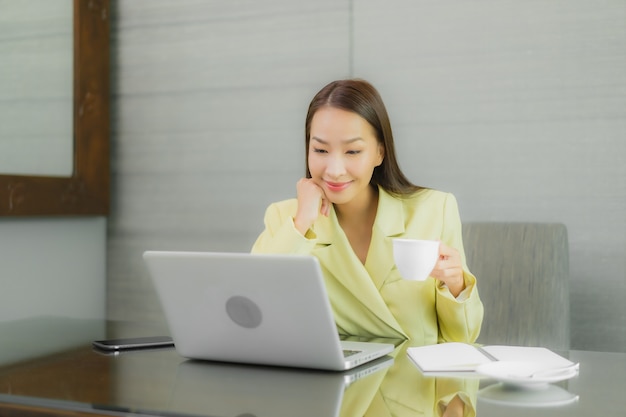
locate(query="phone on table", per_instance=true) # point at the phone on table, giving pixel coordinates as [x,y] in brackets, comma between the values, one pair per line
[149,342]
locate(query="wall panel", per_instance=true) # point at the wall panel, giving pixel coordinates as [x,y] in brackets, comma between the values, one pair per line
[515,107]
[518,108]
[209,103]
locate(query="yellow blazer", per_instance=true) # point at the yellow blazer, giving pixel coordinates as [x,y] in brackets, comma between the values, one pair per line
[373,299]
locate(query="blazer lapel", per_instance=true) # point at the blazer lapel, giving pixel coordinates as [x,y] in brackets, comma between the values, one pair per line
[336,255]
[389,223]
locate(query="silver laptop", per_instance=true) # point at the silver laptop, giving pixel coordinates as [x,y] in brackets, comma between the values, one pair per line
[253,308]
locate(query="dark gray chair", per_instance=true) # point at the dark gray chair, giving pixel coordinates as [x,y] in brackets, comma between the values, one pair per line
[522,270]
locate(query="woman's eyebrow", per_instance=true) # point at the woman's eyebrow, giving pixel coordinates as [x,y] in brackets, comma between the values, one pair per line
[345,141]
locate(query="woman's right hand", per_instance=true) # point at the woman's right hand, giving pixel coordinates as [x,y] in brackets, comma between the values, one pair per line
[311,203]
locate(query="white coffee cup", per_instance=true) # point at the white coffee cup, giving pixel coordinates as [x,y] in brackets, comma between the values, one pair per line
[415,259]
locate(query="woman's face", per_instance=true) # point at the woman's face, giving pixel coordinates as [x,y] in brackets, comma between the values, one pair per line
[343,152]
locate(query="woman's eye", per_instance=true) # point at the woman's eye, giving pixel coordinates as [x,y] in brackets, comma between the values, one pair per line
[318,150]
[353,152]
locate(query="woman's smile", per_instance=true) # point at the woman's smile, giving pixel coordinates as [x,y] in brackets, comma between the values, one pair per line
[337,186]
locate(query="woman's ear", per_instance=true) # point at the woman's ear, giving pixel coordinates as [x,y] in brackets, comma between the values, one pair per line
[381,154]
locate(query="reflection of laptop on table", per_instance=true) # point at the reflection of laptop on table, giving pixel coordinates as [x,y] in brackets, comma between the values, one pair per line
[251,308]
[220,389]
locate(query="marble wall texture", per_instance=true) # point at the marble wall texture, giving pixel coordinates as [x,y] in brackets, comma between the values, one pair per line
[516,107]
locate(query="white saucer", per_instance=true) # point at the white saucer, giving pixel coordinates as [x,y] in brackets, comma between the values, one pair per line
[526,374]
[551,396]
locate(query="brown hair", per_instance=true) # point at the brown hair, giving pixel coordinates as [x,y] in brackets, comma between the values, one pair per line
[360,97]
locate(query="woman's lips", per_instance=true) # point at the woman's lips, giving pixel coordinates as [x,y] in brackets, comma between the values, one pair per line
[337,186]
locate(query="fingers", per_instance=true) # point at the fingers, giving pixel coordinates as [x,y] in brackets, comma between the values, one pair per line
[311,203]
[325,207]
[448,268]
[446,251]
[324,203]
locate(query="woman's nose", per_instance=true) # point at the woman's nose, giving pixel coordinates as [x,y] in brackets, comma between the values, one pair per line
[335,166]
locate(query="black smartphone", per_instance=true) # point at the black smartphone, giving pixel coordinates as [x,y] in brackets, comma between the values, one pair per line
[133,343]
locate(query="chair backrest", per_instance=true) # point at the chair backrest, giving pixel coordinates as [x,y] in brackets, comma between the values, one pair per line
[522,270]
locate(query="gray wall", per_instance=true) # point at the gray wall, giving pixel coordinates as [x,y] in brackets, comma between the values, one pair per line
[517,107]
[52,267]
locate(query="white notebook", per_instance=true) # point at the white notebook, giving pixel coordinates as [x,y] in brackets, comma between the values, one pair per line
[462,357]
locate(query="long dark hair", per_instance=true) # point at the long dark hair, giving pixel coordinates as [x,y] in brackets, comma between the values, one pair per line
[360,97]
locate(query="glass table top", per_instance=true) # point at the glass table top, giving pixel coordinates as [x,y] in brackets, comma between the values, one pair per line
[49,363]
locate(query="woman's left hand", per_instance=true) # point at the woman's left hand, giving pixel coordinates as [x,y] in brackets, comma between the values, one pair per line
[449,269]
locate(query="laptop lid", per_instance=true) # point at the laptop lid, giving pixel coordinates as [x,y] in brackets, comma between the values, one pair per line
[252,308]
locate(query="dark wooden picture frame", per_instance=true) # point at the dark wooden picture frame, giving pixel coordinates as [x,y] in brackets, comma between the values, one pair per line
[86,192]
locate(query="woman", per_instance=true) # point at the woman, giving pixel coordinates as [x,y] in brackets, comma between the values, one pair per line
[353,201]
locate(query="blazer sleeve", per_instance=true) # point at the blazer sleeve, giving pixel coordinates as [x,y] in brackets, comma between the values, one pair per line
[459,320]
[280,234]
